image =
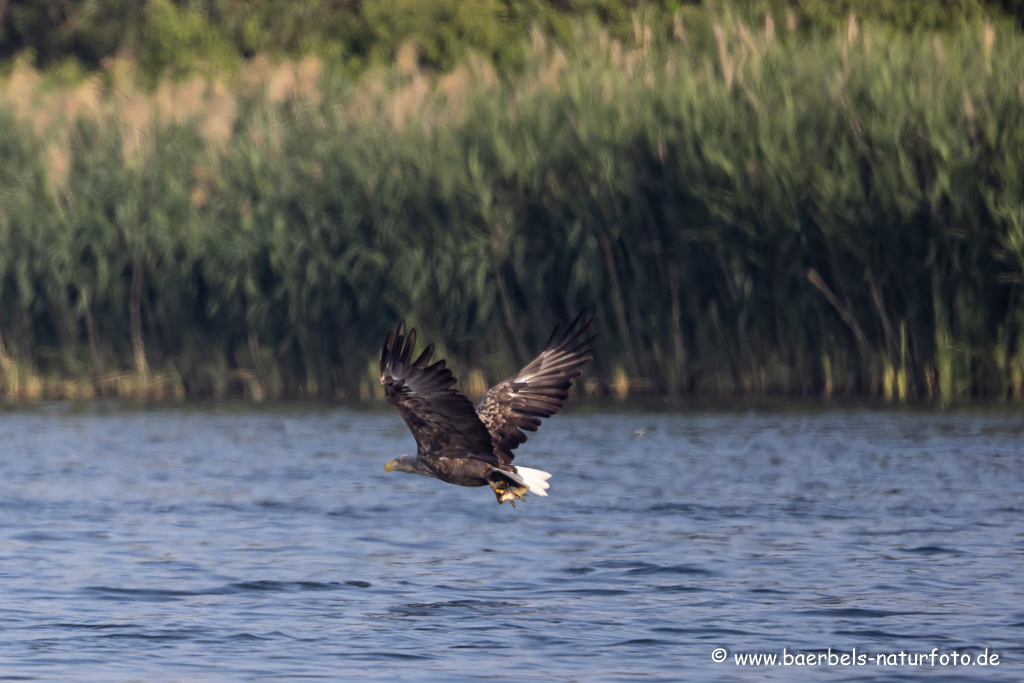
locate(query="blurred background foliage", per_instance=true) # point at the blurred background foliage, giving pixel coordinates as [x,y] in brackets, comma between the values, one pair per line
[179,37]
[211,198]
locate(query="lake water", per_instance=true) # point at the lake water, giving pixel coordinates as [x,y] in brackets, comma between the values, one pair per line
[223,543]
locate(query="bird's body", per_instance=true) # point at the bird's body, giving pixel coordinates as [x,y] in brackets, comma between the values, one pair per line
[473,447]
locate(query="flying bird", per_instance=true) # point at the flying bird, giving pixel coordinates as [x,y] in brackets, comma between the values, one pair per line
[473,447]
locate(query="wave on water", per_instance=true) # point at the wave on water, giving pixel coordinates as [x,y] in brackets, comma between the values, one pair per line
[264,586]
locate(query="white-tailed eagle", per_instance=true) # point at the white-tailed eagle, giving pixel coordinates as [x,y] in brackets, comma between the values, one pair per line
[473,447]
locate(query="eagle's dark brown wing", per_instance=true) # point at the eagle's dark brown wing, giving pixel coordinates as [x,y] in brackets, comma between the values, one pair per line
[538,390]
[440,418]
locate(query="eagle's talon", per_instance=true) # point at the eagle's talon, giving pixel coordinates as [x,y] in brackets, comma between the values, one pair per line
[505,491]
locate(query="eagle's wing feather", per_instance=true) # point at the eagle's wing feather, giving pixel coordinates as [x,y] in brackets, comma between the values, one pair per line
[538,390]
[440,417]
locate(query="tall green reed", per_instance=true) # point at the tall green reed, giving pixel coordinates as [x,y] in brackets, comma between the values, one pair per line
[747,211]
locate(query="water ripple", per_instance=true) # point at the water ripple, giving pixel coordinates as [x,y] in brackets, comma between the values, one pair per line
[217,543]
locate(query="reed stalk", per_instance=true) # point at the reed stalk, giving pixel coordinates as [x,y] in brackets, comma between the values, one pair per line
[745,209]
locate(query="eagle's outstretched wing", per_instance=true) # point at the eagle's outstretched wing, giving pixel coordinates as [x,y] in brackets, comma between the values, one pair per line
[538,390]
[440,417]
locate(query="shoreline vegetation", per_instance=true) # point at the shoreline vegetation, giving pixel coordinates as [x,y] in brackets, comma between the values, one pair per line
[747,209]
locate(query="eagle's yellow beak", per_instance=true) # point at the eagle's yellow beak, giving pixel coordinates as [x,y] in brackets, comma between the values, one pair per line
[391,466]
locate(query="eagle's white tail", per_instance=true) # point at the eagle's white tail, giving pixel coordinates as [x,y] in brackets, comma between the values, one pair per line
[535,480]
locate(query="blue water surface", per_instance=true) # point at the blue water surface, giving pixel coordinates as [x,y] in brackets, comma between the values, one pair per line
[223,543]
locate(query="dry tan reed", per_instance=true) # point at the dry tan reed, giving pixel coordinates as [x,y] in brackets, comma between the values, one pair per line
[271,213]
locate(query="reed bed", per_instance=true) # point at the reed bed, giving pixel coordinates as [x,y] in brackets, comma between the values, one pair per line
[746,211]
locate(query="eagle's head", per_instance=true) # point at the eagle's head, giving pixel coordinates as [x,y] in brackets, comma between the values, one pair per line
[404,463]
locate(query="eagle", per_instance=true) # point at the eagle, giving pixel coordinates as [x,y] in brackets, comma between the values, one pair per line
[473,447]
